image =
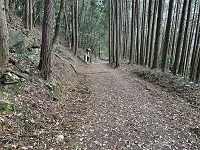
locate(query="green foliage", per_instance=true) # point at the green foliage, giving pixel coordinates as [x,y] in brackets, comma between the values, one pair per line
[15,88]
[30,112]
[55,89]
[3,95]
[6,106]
[93,23]
[57,93]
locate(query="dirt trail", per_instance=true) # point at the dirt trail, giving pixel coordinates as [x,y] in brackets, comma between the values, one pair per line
[128,113]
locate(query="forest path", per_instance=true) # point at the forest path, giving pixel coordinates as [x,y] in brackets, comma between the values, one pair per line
[128,113]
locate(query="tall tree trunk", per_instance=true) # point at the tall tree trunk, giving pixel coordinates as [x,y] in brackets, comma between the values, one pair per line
[192,33]
[114,31]
[4,50]
[127,27]
[58,21]
[76,27]
[67,34]
[73,28]
[175,32]
[26,19]
[47,29]
[182,61]
[142,46]
[152,32]
[158,35]
[110,31]
[198,70]
[167,36]
[132,35]
[117,33]
[137,5]
[120,31]
[30,15]
[149,31]
[6,5]
[195,52]
[179,42]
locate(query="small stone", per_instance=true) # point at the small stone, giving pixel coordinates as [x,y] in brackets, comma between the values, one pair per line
[26,70]
[10,78]
[60,137]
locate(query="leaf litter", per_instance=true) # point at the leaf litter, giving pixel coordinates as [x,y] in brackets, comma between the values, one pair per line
[109,110]
[130,113]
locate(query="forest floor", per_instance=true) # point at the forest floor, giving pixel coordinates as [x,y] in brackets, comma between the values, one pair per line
[128,112]
[98,108]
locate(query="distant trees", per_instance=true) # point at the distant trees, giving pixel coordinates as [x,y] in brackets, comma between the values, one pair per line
[155,33]
[73,27]
[28,14]
[59,21]
[4,51]
[164,35]
[158,34]
[167,36]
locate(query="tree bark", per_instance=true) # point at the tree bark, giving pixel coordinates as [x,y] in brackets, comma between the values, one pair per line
[30,15]
[152,33]
[76,27]
[4,50]
[195,52]
[46,49]
[27,14]
[179,42]
[132,35]
[158,35]
[58,21]
[137,5]
[110,31]
[149,31]
[183,54]
[73,28]
[167,36]
[117,33]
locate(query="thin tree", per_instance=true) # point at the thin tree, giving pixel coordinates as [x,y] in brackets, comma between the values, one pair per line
[117,33]
[67,33]
[198,70]
[137,8]
[76,27]
[158,34]
[4,50]
[167,36]
[58,21]
[149,31]
[73,28]
[113,31]
[179,42]
[30,15]
[47,29]
[110,31]
[196,49]
[175,32]
[26,19]
[152,32]
[192,33]
[183,54]
[132,35]
[142,46]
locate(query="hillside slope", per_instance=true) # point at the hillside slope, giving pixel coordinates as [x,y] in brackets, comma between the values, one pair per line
[36,113]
